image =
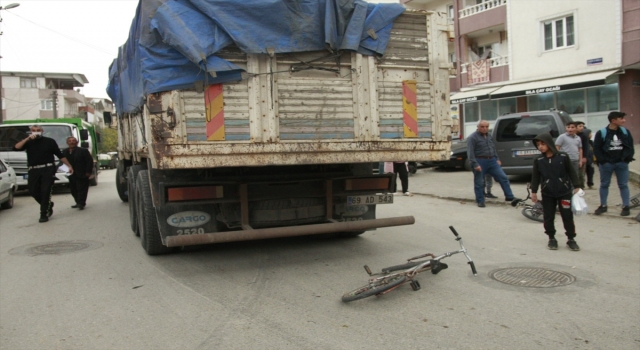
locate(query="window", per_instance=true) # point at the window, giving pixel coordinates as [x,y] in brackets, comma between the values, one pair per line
[46,105]
[541,102]
[559,33]
[571,101]
[514,129]
[507,105]
[471,113]
[452,59]
[28,83]
[602,98]
[489,110]
[484,52]
[450,12]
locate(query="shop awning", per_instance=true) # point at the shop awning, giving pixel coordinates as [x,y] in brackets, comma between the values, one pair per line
[473,95]
[552,85]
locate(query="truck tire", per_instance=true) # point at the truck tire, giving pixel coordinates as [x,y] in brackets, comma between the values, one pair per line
[132,175]
[94,181]
[121,185]
[147,219]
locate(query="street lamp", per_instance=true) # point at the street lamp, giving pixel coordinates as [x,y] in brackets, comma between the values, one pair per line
[10,6]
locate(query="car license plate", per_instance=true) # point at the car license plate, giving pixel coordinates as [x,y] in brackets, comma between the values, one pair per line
[373,199]
[526,152]
[25,176]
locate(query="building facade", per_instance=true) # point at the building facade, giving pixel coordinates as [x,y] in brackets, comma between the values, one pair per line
[33,95]
[580,56]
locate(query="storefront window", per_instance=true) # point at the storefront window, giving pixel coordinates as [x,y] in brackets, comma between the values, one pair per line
[471,112]
[507,105]
[489,110]
[541,102]
[572,101]
[602,98]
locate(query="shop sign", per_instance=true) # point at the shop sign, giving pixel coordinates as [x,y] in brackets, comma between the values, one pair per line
[543,90]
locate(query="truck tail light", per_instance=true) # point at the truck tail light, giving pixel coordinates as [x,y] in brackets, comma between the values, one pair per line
[177,194]
[367,184]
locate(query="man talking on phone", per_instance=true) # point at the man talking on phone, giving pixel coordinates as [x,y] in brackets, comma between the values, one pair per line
[42,167]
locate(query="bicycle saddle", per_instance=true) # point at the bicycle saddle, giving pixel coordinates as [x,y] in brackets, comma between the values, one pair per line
[437,266]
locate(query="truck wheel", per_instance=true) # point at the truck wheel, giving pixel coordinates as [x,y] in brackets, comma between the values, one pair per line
[132,175]
[147,219]
[94,181]
[121,184]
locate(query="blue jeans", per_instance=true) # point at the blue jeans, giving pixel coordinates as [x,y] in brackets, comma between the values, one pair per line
[491,167]
[622,175]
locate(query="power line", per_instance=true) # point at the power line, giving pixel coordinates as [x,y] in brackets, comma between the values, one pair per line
[65,36]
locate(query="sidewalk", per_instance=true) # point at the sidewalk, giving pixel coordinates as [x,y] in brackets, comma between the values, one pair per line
[458,185]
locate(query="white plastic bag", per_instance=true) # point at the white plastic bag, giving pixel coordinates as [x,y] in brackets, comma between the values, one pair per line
[578,204]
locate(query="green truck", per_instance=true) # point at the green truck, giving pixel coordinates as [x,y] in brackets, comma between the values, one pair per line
[11,132]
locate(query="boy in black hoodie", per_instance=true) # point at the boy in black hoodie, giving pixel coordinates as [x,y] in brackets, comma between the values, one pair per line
[554,172]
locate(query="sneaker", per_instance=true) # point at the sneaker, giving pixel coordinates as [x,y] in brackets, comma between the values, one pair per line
[407,194]
[553,244]
[481,205]
[601,209]
[573,245]
[511,199]
[43,218]
[81,206]
[490,195]
[625,211]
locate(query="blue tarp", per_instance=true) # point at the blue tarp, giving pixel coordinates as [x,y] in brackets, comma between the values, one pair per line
[172,44]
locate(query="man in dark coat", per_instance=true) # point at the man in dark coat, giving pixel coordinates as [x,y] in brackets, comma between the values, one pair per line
[82,163]
[42,167]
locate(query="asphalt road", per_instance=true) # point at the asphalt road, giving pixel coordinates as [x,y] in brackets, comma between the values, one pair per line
[285,294]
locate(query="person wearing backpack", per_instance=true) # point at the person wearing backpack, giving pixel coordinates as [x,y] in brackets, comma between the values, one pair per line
[613,148]
[555,174]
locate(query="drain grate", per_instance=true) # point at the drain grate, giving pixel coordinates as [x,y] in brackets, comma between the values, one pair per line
[533,277]
[55,248]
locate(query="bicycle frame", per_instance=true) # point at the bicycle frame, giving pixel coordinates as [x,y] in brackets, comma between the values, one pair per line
[406,275]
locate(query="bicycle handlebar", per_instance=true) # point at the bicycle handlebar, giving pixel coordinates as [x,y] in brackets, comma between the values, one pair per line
[455,233]
[473,268]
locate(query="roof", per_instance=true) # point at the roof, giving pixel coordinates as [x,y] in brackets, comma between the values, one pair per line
[78,79]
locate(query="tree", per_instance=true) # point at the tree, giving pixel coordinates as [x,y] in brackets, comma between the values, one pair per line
[109,140]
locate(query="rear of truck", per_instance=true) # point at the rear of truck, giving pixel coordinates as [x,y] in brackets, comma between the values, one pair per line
[288,149]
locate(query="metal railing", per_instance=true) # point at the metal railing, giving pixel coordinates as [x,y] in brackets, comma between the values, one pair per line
[484,6]
[495,62]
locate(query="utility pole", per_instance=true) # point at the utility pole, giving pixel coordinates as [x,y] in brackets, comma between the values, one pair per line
[54,97]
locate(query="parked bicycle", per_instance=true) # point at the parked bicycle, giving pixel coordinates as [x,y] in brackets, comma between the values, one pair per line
[389,280]
[533,212]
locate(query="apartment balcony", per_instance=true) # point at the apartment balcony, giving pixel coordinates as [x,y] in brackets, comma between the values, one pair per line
[499,71]
[488,14]
[72,96]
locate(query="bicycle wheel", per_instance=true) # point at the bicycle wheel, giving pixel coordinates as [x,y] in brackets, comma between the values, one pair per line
[533,214]
[374,289]
[408,265]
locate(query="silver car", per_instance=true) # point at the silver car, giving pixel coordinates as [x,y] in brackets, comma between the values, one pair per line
[8,185]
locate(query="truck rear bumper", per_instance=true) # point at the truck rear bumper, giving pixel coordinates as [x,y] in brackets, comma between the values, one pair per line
[288,231]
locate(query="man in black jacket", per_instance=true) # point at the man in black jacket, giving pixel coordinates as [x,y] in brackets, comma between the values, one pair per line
[613,148]
[82,163]
[42,167]
[554,172]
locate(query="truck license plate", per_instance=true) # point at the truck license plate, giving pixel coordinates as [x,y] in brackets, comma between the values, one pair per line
[373,199]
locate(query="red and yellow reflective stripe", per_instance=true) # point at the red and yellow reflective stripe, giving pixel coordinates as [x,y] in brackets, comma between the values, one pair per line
[215,112]
[410,108]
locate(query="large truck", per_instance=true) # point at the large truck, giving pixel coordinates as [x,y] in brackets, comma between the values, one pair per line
[13,131]
[261,119]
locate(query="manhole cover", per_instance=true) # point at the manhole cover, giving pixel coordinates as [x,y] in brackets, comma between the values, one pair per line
[55,248]
[532,277]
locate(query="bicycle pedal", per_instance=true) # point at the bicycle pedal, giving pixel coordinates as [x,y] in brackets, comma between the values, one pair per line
[415,285]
